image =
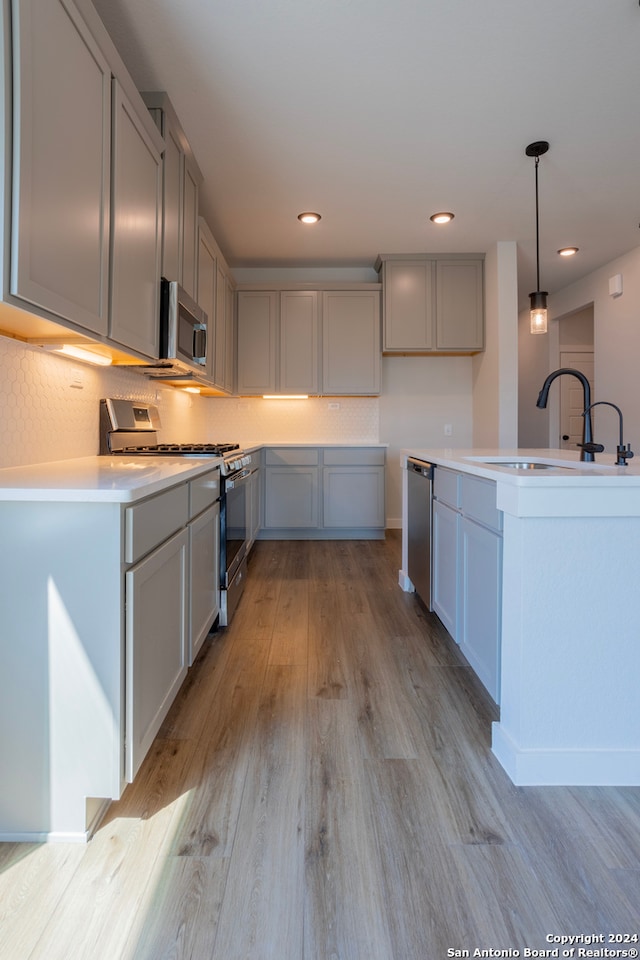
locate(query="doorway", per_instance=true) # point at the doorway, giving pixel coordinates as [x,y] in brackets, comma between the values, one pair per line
[575,350]
[571,397]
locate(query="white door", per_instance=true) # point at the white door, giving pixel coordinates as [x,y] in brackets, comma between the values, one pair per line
[572,398]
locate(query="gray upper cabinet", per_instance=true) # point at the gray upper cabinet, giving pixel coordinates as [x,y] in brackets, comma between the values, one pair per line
[351,342]
[84,160]
[215,296]
[181,189]
[409,304]
[257,342]
[61,164]
[298,346]
[207,268]
[309,342]
[433,304]
[190,226]
[135,259]
[277,342]
[172,215]
[460,305]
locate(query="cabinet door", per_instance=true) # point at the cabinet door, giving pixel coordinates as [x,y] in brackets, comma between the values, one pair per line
[204,576]
[220,352]
[156,643]
[229,336]
[257,319]
[172,214]
[207,270]
[409,305]
[351,342]
[62,136]
[353,497]
[291,497]
[445,565]
[481,601]
[135,215]
[255,518]
[460,298]
[298,342]
[190,231]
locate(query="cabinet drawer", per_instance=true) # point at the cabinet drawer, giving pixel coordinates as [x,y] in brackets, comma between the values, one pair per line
[152,521]
[478,501]
[446,486]
[291,456]
[354,456]
[203,491]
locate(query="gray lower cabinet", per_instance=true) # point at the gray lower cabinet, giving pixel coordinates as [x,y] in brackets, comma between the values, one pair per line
[156,643]
[255,504]
[445,565]
[203,595]
[353,488]
[467,569]
[481,576]
[156,615]
[324,493]
[291,498]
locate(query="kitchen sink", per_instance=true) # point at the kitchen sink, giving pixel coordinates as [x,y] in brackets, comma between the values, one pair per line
[524,465]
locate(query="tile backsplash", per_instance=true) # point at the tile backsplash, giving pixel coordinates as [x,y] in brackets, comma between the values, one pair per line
[49,410]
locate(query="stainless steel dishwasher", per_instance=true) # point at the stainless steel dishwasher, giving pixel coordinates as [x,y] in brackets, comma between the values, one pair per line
[419,513]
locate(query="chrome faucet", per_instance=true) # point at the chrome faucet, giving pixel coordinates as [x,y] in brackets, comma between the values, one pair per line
[588,448]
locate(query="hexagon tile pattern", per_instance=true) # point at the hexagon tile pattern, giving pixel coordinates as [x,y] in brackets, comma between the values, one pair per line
[49,410]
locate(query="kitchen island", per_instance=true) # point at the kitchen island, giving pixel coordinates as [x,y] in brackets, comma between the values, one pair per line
[569,657]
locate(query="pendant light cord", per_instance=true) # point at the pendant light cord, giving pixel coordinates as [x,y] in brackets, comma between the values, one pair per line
[537,231]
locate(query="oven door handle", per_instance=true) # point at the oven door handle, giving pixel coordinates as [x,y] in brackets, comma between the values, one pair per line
[238,479]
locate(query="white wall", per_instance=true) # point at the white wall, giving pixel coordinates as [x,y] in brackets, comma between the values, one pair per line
[616,323]
[533,366]
[495,372]
[420,395]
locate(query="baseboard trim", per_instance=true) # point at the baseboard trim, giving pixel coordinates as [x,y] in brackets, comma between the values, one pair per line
[565,767]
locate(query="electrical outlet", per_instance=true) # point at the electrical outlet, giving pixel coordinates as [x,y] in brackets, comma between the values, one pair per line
[77,379]
[448,430]
[334,406]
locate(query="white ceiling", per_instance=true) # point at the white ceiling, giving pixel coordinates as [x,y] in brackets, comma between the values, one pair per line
[377,114]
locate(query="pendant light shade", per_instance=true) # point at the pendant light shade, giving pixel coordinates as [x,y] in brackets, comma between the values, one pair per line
[538,298]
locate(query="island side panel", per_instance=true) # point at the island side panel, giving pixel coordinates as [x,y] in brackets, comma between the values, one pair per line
[62,644]
[570,651]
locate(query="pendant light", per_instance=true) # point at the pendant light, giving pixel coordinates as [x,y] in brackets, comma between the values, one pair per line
[539,297]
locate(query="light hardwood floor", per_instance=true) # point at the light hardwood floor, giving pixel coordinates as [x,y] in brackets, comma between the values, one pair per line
[323,789]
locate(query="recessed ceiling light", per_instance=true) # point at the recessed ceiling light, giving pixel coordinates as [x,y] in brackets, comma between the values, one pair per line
[309,217]
[568,251]
[443,217]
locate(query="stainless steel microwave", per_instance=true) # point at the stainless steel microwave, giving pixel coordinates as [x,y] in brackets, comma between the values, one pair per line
[183,331]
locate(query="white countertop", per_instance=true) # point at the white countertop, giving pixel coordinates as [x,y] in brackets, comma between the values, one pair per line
[115,479]
[570,488]
[99,479]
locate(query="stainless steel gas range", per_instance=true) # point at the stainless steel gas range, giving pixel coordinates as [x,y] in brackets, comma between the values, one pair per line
[129,428]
